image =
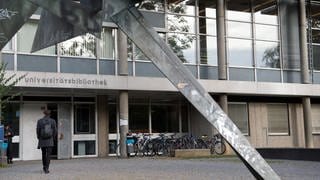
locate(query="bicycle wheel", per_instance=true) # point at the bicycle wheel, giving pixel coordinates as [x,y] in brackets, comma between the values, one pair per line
[219,148]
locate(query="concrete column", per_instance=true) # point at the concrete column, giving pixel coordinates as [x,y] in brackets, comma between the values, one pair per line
[103,126]
[307,122]
[221,42]
[223,102]
[123,99]
[124,122]
[304,68]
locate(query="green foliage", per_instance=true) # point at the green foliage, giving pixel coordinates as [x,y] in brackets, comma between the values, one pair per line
[271,57]
[6,85]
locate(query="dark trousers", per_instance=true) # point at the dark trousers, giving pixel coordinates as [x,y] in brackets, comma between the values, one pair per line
[9,152]
[46,152]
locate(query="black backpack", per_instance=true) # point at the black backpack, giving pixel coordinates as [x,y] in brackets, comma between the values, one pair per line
[46,130]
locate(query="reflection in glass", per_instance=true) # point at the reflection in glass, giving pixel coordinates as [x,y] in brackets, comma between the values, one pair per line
[184,46]
[239,52]
[152,5]
[266,32]
[207,9]
[107,43]
[239,11]
[266,12]
[182,7]
[139,55]
[178,23]
[84,119]
[315,36]
[238,112]
[25,39]
[84,46]
[207,26]
[314,14]
[316,57]
[208,50]
[267,54]
[238,29]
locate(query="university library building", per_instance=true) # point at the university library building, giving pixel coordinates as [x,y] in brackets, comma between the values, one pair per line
[249,55]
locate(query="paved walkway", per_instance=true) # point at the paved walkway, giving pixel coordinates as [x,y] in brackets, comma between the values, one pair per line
[155,168]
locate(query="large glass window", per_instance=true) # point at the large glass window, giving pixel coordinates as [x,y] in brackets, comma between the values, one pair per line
[165,118]
[139,118]
[315,118]
[266,11]
[208,50]
[240,52]
[207,9]
[82,148]
[207,26]
[11,115]
[239,11]
[25,39]
[267,54]
[181,7]
[184,46]
[152,5]
[8,46]
[239,29]
[112,118]
[238,113]
[107,43]
[84,119]
[314,33]
[84,46]
[278,119]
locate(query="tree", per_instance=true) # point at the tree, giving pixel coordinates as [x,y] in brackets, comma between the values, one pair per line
[6,86]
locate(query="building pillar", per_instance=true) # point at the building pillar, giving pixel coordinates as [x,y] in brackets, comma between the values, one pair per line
[103,126]
[305,76]
[123,97]
[221,41]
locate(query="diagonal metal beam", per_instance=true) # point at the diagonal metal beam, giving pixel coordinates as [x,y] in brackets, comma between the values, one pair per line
[13,14]
[131,21]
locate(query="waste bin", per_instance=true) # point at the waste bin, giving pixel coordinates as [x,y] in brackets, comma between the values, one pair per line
[130,142]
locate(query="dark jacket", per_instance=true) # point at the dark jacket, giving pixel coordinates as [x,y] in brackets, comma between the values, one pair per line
[46,142]
[8,134]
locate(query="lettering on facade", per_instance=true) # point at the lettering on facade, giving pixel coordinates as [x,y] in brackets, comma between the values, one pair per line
[64,81]
[7,14]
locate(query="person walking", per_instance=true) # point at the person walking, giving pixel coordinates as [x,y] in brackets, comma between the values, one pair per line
[8,134]
[46,132]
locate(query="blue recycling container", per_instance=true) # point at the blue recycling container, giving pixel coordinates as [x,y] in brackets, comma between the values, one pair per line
[1,133]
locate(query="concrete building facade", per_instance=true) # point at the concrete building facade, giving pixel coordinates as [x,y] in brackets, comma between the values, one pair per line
[258,59]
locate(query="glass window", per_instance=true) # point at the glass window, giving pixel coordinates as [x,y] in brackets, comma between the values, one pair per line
[315,109]
[25,39]
[207,9]
[11,115]
[278,119]
[265,12]
[239,52]
[238,113]
[239,11]
[316,36]
[112,118]
[316,56]
[152,5]
[208,50]
[184,46]
[184,117]
[267,54]
[139,55]
[84,46]
[84,148]
[178,23]
[8,46]
[84,119]
[182,7]
[207,26]
[139,118]
[238,29]
[165,118]
[107,43]
[266,32]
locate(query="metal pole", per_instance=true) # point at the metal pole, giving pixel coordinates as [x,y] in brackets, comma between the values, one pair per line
[124,105]
[305,76]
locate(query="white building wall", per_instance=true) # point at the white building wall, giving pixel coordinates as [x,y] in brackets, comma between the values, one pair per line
[30,115]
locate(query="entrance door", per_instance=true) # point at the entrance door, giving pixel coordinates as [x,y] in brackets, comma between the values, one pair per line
[64,131]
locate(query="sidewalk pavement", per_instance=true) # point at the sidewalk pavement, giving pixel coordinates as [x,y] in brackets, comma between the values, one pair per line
[155,168]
